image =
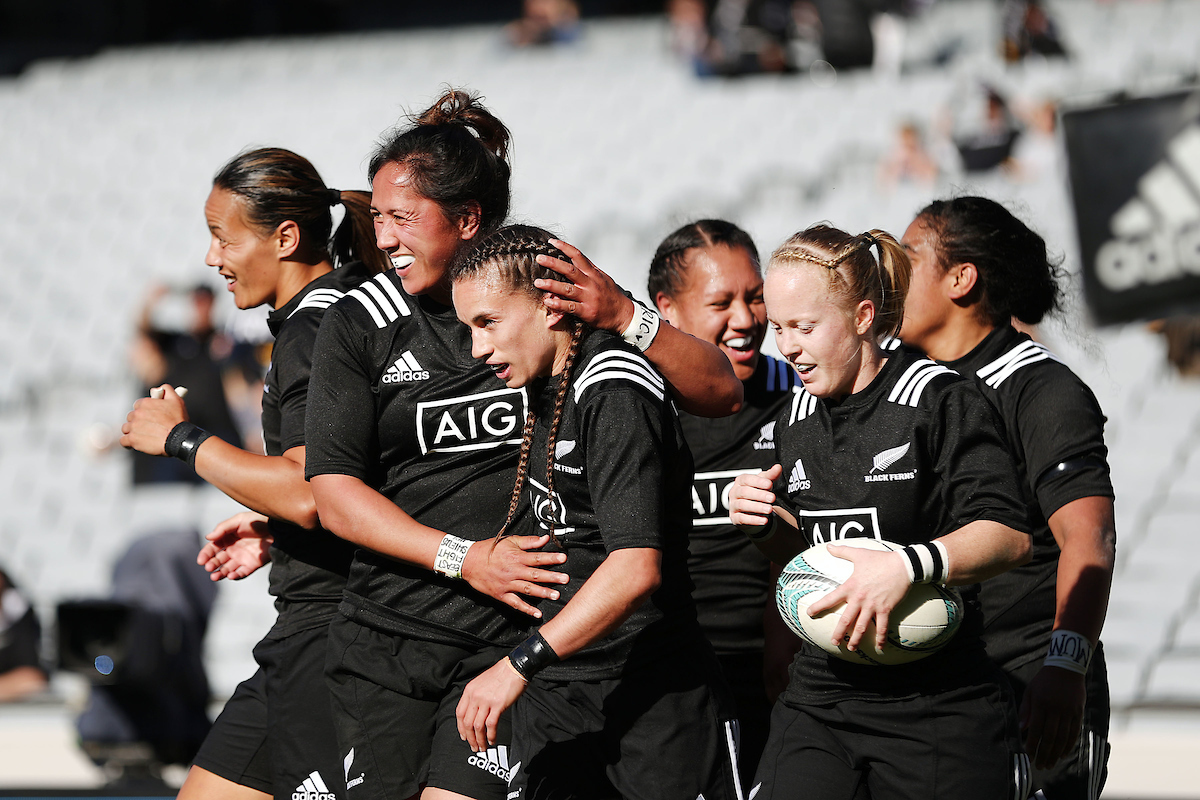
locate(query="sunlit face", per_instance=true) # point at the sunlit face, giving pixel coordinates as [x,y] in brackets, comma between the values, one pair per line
[928,305]
[246,261]
[721,302]
[415,234]
[510,330]
[820,337]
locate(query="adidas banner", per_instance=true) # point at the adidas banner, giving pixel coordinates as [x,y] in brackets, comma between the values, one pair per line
[1135,176]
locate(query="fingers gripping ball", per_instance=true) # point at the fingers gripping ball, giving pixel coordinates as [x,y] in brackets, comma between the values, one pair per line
[924,621]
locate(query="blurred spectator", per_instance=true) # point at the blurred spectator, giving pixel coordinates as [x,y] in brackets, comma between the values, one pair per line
[983,129]
[545,22]
[1027,29]
[21,669]
[1183,343]
[908,161]
[178,343]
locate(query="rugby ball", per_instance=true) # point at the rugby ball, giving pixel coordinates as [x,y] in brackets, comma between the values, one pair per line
[924,621]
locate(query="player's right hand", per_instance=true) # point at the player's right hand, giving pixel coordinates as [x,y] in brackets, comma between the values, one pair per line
[511,568]
[751,498]
[237,547]
[148,425]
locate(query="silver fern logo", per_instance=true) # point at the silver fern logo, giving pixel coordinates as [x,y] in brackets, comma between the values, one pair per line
[889,457]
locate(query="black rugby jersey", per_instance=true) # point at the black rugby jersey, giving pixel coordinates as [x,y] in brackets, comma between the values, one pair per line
[397,401]
[621,479]
[1050,417]
[308,568]
[914,456]
[731,576]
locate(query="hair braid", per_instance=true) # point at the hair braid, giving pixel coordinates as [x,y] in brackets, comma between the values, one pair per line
[522,473]
[560,400]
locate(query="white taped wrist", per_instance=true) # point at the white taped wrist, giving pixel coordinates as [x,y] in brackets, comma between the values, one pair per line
[927,563]
[451,554]
[1069,650]
[643,328]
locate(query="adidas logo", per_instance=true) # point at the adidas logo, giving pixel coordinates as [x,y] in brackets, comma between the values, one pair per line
[405,369]
[797,480]
[313,788]
[766,437]
[495,762]
[1157,232]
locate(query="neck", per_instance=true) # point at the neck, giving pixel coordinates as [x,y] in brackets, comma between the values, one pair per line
[295,275]
[959,336]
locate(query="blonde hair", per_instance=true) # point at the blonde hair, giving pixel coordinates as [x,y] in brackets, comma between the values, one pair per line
[854,273]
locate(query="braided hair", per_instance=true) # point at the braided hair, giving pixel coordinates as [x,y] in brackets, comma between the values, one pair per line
[854,273]
[510,255]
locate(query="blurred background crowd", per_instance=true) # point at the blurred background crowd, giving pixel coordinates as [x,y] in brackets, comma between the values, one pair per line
[629,117]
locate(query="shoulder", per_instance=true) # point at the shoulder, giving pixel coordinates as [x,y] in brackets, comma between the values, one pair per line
[608,364]
[375,304]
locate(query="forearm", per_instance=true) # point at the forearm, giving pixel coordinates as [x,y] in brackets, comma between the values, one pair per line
[19,682]
[270,485]
[1086,534]
[983,549]
[359,514]
[624,581]
[701,378]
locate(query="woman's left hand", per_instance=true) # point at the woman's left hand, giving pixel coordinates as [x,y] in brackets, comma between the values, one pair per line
[593,297]
[483,701]
[877,585]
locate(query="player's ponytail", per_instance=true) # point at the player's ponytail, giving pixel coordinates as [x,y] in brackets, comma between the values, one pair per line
[1017,278]
[274,185]
[456,154]
[854,272]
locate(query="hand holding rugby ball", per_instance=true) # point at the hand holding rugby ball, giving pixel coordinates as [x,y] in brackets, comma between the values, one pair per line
[920,625]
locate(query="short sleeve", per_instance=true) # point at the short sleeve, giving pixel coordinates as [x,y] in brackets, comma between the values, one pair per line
[625,455]
[340,426]
[291,360]
[977,473]
[1059,422]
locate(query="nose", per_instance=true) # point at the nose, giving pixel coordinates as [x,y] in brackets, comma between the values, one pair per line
[213,257]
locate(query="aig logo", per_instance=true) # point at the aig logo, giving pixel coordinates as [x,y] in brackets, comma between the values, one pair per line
[475,422]
[710,496]
[842,523]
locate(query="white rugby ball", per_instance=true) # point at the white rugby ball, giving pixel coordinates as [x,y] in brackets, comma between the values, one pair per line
[924,621]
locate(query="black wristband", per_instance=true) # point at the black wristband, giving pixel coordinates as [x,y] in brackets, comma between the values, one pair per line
[183,441]
[532,656]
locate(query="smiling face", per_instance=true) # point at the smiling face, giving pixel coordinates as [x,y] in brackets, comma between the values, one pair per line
[418,238]
[721,302]
[511,331]
[248,262]
[823,340]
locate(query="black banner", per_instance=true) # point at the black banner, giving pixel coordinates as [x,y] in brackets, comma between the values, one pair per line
[1135,178]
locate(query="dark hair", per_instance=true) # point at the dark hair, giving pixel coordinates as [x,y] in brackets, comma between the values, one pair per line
[275,186]
[1016,276]
[668,268]
[854,273]
[510,254]
[456,154]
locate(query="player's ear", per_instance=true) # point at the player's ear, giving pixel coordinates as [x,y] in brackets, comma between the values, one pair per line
[666,307]
[963,278]
[287,239]
[864,317]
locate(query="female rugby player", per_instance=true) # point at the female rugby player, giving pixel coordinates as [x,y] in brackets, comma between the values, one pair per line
[618,685]
[269,215]
[894,447]
[411,451]
[975,268]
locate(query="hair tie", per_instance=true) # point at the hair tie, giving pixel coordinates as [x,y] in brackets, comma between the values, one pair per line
[335,197]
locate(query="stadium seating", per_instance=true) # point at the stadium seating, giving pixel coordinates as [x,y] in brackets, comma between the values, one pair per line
[107,162]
